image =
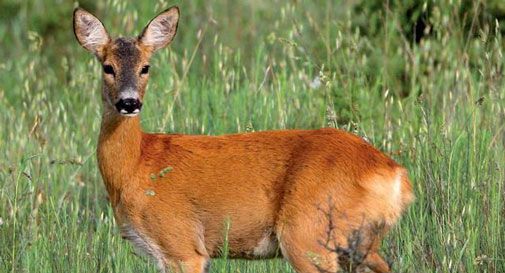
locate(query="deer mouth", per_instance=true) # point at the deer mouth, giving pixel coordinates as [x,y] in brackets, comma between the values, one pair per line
[129,107]
[126,114]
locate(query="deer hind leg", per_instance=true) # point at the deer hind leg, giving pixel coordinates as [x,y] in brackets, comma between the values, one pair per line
[312,242]
[373,261]
[376,263]
[306,258]
[304,248]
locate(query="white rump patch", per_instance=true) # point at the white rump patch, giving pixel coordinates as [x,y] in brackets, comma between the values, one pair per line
[397,190]
[387,194]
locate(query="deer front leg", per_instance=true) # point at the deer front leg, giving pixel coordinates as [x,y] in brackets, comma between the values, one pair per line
[194,264]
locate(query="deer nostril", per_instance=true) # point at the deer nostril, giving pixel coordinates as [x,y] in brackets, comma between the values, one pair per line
[128,106]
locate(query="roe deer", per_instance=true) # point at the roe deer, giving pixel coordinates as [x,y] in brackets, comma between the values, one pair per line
[270,185]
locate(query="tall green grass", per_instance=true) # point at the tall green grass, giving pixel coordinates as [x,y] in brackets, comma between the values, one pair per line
[437,107]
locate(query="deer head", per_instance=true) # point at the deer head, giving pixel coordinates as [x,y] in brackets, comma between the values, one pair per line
[125,61]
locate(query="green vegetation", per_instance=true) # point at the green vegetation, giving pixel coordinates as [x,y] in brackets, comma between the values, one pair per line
[435,102]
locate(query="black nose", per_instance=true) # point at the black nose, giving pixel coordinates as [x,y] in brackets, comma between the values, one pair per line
[128,106]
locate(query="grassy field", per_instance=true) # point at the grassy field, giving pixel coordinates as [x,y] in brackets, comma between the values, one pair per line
[436,105]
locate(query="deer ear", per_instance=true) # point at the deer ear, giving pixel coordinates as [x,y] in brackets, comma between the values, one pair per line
[161,30]
[90,32]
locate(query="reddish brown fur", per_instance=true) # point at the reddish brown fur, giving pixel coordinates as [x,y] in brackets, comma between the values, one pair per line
[266,181]
[274,187]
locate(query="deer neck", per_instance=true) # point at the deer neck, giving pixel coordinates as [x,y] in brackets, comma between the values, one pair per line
[119,151]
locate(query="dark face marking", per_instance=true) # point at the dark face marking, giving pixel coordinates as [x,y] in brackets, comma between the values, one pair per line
[127,62]
[128,56]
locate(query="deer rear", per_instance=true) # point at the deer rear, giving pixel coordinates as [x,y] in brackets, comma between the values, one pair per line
[314,197]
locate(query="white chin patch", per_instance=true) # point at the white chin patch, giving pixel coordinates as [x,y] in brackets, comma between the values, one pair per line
[129,115]
[126,114]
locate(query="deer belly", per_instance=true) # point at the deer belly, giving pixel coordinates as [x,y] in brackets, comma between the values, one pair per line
[255,247]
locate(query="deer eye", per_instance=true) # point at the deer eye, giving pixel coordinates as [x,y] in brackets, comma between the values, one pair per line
[145,69]
[108,69]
